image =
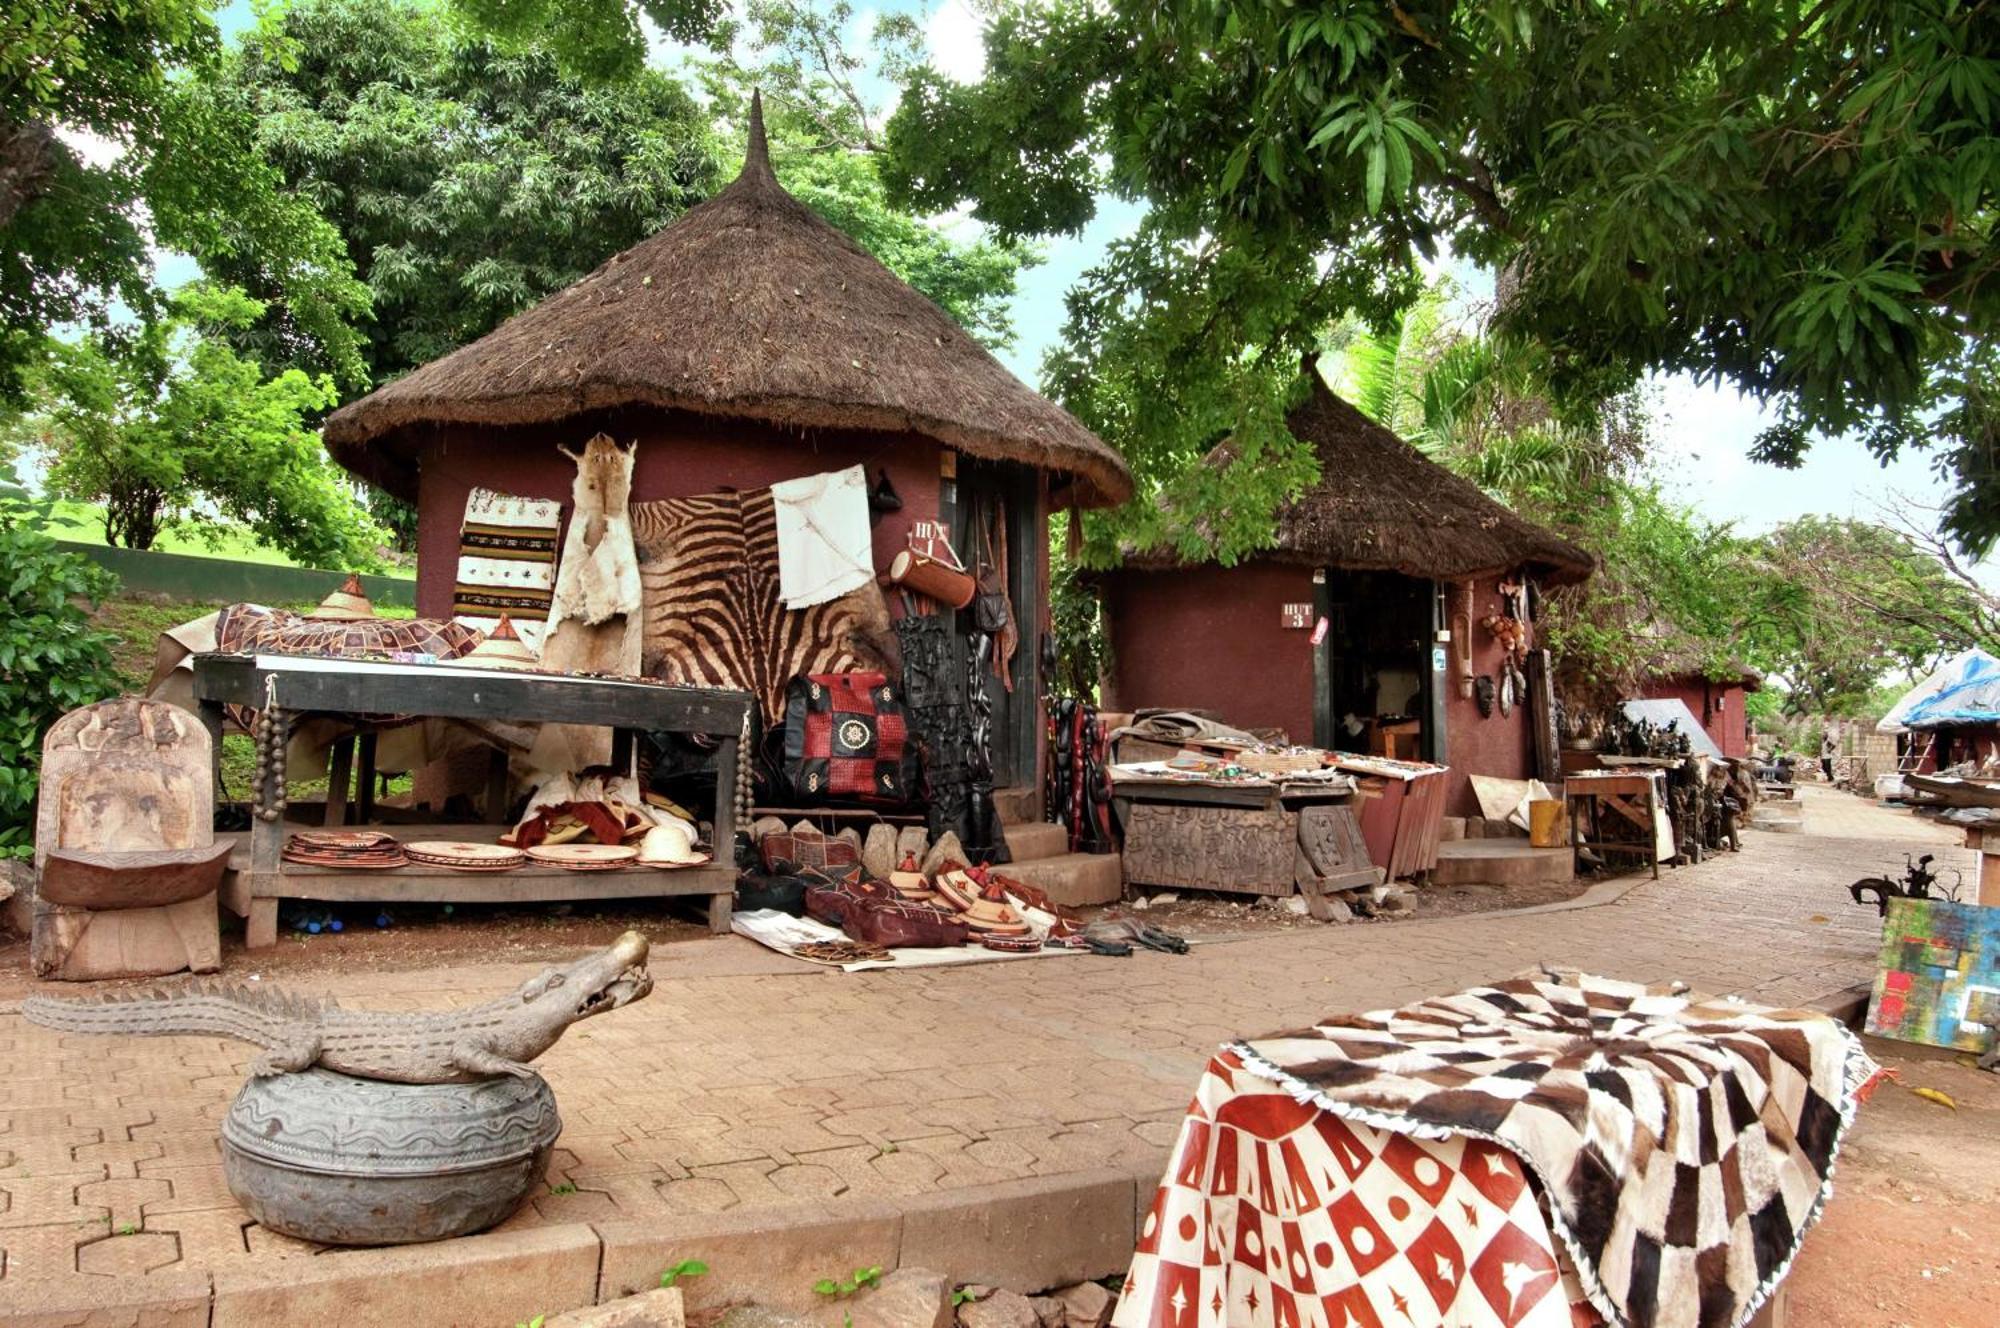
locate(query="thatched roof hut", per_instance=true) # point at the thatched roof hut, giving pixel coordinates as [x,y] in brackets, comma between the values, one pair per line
[1381,505]
[750,306]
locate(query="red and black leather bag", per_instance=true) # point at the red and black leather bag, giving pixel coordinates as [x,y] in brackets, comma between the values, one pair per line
[847,739]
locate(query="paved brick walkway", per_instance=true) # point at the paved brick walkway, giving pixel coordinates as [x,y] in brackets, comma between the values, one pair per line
[747,1081]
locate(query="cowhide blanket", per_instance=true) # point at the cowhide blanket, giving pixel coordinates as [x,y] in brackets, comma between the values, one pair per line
[1684,1145]
[714,615]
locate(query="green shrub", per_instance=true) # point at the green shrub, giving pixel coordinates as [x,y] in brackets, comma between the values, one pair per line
[51,658]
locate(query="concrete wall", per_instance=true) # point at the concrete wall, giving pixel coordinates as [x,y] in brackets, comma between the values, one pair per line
[197,580]
[1717,705]
[1211,638]
[679,455]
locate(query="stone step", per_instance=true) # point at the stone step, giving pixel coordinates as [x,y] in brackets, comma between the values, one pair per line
[1074,879]
[1019,805]
[1031,841]
[1501,862]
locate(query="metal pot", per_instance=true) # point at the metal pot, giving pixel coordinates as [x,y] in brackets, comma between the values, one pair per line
[343,1161]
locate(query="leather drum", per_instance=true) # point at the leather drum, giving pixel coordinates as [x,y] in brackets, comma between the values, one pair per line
[927,576]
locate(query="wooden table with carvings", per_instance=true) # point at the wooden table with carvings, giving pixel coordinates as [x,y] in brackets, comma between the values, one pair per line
[304,684]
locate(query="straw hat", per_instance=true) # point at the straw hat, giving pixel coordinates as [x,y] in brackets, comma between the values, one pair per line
[347,604]
[670,844]
[502,648]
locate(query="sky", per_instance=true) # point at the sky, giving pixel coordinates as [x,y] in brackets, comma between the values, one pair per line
[1702,433]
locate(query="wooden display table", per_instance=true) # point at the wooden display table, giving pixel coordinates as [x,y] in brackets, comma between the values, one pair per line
[1985,841]
[301,684]
[1632,797]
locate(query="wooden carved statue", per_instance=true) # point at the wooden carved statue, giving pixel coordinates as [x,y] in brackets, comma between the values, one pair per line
[125,845]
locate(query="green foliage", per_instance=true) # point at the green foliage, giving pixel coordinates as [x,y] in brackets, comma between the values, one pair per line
[1083,651]
[841,1288]
[75,226]
[685,1268]
[466,182]
[166,423]
[1796,200]
[51,659]
[596,41]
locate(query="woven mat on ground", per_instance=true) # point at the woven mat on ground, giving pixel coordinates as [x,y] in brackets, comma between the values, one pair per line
[708,567]
[1684,1146]
[1275,1212]
[506,562]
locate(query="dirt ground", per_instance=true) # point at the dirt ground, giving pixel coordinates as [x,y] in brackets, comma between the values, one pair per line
[1908,1241]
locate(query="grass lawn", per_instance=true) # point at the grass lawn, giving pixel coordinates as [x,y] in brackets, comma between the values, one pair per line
[232,542]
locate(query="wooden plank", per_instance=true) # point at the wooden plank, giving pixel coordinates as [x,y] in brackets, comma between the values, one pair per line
[339,776]
[523,885]
[1212,848]
[1542,717]
[368,687]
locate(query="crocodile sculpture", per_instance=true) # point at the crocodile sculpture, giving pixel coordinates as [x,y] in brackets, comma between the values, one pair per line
[457,1046]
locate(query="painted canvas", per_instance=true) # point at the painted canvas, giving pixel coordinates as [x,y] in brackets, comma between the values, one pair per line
[1938,980]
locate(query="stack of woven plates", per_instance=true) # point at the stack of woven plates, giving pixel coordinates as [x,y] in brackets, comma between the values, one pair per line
[463,856]
[585,857]
[364,850]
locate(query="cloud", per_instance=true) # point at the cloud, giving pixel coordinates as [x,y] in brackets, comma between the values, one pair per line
[954,37]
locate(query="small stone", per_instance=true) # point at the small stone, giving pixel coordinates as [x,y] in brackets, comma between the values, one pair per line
[912,842]
[658,1308]
[878,851]
[1050,1312]
[1002,1309]
[852,837]
[1297,904]
[765,825]
[1087,1304]
[1165,897]
[1140,904]
[946,850]
[906,1298]
[1339,911]
[806,829]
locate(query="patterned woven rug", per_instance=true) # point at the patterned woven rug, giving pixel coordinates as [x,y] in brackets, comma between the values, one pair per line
[506,562]
[1681,1147]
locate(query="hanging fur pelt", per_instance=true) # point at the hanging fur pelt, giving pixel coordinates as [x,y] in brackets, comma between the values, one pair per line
[595,618]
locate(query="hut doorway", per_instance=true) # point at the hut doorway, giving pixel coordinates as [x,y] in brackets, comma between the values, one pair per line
[996,500]
[1375,690]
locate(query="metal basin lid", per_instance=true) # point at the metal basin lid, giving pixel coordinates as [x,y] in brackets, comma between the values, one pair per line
[335,1124]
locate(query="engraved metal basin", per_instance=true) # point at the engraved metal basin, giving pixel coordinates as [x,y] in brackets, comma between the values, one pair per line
[343,1161]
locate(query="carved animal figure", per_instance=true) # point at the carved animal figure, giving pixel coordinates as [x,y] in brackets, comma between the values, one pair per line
[714,617]
[456,1046]
[596,613]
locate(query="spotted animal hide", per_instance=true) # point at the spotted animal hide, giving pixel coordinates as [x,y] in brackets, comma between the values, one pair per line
[708,566]
[1685,1146]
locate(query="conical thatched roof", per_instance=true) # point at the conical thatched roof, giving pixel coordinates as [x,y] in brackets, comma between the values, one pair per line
[748,306]
[1381,505]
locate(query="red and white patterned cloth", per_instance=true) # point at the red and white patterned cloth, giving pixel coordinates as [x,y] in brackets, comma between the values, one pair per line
[1276,1212]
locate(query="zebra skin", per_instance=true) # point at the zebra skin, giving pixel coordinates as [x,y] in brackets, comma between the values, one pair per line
[708,571]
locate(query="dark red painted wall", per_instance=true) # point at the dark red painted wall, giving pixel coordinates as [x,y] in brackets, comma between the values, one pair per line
[1210,638]
[1498,745]
[679,455]
[1717,705]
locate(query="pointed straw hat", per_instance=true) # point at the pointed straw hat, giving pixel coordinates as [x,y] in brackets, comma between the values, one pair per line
[347,604]
[503,648]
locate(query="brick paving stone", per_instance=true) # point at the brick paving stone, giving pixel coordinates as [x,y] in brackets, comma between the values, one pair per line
[727,1092]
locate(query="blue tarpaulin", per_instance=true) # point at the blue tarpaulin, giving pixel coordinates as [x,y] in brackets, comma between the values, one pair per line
[1973,697]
